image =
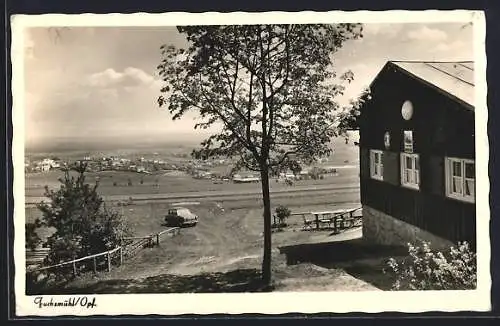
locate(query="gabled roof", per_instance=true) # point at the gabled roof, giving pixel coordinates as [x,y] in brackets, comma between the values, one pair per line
[455,79]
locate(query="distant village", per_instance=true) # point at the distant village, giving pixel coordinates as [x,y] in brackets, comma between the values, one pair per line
[212,169]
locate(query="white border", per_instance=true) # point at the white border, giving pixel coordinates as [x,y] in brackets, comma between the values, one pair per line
[265,303]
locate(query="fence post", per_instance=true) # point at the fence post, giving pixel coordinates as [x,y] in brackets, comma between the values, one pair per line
[158,239]
[109,262]
[74,268]
[95,265]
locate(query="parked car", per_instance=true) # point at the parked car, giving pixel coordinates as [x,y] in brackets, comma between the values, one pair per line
[180,217]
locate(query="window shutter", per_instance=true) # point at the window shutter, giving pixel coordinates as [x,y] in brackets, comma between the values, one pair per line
[391,168]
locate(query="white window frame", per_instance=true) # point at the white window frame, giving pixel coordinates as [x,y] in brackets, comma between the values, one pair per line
[449,178]
[413,172]
[377,169]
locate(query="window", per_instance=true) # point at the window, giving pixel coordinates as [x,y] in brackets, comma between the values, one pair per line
[410,170]
[376,164]
[460,179]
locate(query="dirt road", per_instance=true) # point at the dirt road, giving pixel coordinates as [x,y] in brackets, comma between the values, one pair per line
[309,190]
[222,241]
[219,242]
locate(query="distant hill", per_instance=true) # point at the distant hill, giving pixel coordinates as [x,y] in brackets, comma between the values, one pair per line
[54,145]
[186,141]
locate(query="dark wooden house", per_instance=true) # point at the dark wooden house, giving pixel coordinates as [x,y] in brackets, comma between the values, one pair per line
[417,154]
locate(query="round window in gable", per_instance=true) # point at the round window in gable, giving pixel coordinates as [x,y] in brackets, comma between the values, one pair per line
[407,110]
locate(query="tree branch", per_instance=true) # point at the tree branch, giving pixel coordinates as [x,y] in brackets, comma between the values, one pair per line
[231,89]
[285,82]
[248,165]
[249,145]
[249,109]
[271,165]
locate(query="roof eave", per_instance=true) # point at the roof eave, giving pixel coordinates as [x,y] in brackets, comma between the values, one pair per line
[440,90]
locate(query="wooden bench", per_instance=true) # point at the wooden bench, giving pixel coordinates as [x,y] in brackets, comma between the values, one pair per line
[308,223]
[354,219]
[335,219]
[329,218]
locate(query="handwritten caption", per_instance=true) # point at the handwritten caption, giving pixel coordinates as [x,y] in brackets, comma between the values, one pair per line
[84,302]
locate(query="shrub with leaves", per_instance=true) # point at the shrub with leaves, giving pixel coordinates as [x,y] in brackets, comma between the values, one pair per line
[282,213]
[427,269]
[83,224]
[32,238]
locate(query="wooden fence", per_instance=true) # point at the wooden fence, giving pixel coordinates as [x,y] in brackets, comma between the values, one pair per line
[129,247]
[146,241]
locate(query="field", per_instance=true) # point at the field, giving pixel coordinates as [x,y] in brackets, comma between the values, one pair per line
[170,182]
[345,157]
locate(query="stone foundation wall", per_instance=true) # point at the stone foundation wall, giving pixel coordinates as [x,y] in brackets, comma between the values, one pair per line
[381,228]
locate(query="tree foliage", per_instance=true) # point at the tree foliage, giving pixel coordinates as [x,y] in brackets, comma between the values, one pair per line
[32,240]
[350,117]
[271,88]
[268,91]
[83,224]
[282,213]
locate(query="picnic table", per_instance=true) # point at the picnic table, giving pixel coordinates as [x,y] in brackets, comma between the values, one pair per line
[337,218]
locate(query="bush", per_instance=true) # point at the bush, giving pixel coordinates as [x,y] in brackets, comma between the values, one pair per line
[426,269]
[32,238]
[282,213]
[82,222]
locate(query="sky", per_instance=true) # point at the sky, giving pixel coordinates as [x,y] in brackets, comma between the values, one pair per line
[101,82]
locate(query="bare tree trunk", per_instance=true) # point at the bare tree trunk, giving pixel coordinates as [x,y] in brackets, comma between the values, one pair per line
[266,261]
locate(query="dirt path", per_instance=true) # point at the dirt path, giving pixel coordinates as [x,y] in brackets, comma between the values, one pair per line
[222,241]
[222,244]
[211,245]
[219,241]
